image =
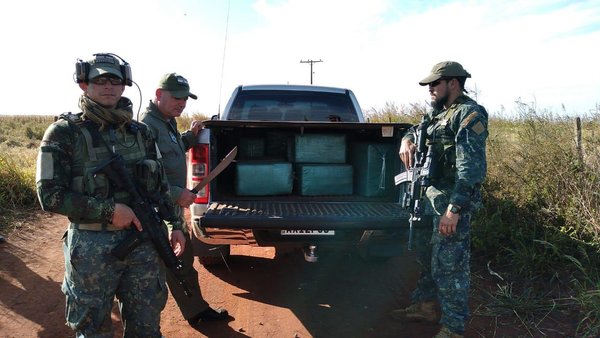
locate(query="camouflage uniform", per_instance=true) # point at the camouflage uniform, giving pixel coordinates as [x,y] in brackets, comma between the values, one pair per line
[458,136]
[173,147]
[67,185]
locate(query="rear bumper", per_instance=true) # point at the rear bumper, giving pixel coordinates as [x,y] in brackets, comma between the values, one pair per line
[216,237]
[260,223]
[305,215]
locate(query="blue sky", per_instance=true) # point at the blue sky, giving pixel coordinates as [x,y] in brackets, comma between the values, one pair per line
[541,52]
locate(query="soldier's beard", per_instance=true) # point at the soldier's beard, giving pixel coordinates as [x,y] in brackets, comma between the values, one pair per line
[438,103]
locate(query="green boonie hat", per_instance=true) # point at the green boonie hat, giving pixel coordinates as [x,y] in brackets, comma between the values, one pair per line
[177,85]
[445,69]
[104,64]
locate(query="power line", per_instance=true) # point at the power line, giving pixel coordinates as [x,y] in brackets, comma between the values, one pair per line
[311,67]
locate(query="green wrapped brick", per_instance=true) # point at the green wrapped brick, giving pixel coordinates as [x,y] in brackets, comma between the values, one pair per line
[277,144]
[319,148]
[324,179]
[251,147]
[375,165]
[263,178]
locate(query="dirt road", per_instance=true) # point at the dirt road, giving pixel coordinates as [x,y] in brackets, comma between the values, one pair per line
[341,296]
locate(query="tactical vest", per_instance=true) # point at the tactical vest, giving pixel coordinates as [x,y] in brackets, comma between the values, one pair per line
[443,139]
[93,148]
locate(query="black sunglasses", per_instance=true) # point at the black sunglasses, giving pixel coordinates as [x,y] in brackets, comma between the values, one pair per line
[102,80]
[437,82]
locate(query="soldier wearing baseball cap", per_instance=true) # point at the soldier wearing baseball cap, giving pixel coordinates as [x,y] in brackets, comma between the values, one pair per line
[101,219]
[177,85]
[104,64]
[169,102]
[456,129]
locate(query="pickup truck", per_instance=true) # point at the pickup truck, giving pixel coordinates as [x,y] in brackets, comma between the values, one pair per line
[309,173]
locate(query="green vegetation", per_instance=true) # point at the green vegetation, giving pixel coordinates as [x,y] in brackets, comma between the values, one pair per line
[184,121]
[19,139]
[541,215]
[538,232]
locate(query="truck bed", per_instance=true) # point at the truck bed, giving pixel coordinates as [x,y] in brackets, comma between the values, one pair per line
[293,211]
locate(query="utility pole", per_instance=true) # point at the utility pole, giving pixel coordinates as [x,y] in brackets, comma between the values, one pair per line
[311,67]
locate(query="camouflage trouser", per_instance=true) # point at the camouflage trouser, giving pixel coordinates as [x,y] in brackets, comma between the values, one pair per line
[93,277]
[445,273]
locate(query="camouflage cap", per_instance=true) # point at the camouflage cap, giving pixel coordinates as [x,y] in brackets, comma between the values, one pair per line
[445,69]
[177,85]
[104,64]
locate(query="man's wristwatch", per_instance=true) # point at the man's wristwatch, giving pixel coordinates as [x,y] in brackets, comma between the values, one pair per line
[453,208]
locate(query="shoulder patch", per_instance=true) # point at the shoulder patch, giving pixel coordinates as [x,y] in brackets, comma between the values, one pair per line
[468,119]
[478,128]
[44,166]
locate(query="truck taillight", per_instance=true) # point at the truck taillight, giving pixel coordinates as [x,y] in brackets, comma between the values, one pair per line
[199,168]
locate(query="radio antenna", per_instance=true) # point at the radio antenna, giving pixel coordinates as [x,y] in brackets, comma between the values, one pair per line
[223,60]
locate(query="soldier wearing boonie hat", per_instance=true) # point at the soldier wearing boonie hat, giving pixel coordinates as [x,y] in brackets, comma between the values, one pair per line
[169,102]
[445,69]
[69,183]
[457,129]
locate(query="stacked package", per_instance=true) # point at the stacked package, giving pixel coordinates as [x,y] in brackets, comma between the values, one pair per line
[320,165]
[262,178]
[375,165]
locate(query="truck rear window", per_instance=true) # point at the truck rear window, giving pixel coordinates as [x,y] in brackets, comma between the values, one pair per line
[292,106]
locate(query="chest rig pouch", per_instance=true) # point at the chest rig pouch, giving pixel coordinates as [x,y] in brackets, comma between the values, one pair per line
[148,178]
[442,138]
[93,148]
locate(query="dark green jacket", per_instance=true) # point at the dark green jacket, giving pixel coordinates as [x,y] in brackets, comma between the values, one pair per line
[172,145]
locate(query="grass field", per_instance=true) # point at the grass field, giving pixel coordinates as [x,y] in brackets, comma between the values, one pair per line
[539,228]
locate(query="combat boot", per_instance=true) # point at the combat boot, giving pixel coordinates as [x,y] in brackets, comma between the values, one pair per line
[446,333]
[418,312]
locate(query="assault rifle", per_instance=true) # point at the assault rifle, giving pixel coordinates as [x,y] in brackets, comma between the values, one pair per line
[418,178]
[143,206]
